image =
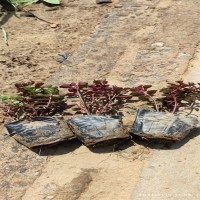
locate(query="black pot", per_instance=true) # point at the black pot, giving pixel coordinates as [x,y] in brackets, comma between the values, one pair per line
[162,125]
[39,131]
[93,129]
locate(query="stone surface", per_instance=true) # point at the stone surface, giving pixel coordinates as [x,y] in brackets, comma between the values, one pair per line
[137,43]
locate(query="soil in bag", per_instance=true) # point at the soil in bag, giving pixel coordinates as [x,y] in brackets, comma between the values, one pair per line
[93,129]
[161,125]
[39,131]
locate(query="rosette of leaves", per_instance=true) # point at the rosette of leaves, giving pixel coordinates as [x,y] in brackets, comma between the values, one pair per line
[173,97]
[98,98]
[32,100]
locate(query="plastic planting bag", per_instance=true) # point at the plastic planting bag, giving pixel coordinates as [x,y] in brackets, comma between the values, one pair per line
[161,125]
[94,129]
[39,131]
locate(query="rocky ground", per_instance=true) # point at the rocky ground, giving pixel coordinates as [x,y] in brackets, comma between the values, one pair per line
[126,42]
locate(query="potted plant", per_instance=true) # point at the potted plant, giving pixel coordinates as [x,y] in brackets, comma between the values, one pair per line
[167,118]
[99,103]
[34,108]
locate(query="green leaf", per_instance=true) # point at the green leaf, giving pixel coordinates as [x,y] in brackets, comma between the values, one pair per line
[51,90]
[52,1]
[16,97]
[38,90]
[17,103]
[5,35]
[30,88]
[5,97]
[23,2]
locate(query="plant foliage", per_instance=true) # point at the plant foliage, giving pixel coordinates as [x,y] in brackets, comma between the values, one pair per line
[33,99]
[173,97]
[97,98]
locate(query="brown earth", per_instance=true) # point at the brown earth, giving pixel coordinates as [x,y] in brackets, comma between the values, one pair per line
[125,42]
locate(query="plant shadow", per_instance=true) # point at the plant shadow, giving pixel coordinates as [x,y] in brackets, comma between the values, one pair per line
[166,144]
[112,146]
[58,149]
[5,18]
[66,147]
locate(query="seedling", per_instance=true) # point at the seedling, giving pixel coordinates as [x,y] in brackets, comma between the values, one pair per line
[173,97]
[97,98]
[32,100]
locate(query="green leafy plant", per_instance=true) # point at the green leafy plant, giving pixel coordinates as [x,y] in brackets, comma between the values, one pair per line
[97,98]
[33,99]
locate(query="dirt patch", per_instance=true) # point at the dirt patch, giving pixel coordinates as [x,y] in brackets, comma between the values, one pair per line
[77,186]
[111,172]
[34,45]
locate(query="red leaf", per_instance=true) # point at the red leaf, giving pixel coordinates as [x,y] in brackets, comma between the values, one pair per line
[71,94]
[38,84]
[18,85]
[65,86]
[72,90]
[81,85]
[28,83]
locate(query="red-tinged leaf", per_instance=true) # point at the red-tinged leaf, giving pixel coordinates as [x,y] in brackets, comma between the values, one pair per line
[104,81]
[72,94]
[28,83]
[151,92]
[180,82]
[74,90]
[38,84]
[100,82]
[82,85]
[65,86]
[139,89]
[147,86]
[18,85]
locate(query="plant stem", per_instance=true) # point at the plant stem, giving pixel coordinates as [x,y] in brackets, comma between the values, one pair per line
[49,101]
[154,101]
[83,102]
[191,107]
[175,104]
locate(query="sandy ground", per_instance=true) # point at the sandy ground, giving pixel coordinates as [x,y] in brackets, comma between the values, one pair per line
[125,42]
[173,172]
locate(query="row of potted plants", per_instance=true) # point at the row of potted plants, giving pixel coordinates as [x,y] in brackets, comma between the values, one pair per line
[98,106]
